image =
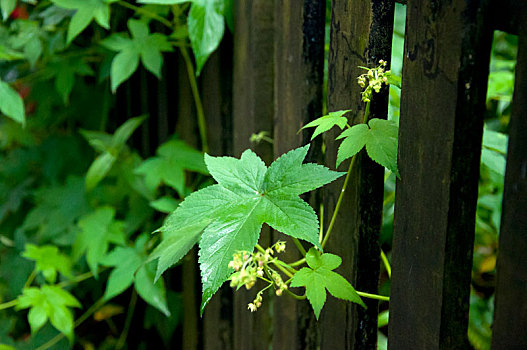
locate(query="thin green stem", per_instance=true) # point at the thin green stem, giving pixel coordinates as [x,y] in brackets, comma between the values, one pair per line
[30,279]
[147,13]
[386,264]
[8,304]
[128,322]
[373,296]
[298,262]
[281,268]
[259,247]
[286,265]
[339,202]
[321,230]
[79,321]
[202,124]
[345,185]
[296,296]
[299,246]
[78,279]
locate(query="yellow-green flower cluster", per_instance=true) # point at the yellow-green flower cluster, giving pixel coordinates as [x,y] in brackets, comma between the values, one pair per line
[372,80]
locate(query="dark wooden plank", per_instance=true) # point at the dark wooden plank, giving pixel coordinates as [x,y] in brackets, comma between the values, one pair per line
[299,64]
[186,127]
[361,33]
[252,112]
[510,313]
[445,73]
[216,88]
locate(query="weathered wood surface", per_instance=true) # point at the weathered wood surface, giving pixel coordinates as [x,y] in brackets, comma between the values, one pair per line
[253,111]
[445,75]
[510,313]
[299,63]
[216,86]
[361,33]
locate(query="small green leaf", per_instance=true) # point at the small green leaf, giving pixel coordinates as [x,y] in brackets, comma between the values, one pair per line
[355,139]
[164,2]
[165,204]
[168,167]
[123,133]
[86,12]
[7,6]
[206,27]
[153,293]
[48,260]
[97,230]
[142,46]
[11,103]
[49,302]
[319,277]
[126,262]
[380,140]
[124,64]
[99,169]
[326,122]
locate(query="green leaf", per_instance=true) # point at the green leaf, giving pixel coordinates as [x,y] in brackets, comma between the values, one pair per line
[11,103]
[111,147]
[49,302]
[380,140]
[142,46]
[7,6]
[165,204]
[326,122]
[173,158]
[86,12]
[153,293]
[48,261]
[164,2]
[206,27]
[130,268]
[228,216]
[319,277]
[123,133]
[97,230]
[99,169]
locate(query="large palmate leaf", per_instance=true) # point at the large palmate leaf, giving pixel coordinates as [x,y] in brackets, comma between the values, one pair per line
[227,217]
[319,276]
[141,46]
[380,139]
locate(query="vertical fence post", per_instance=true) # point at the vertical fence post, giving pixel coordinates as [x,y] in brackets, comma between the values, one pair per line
[253,111]
[445,76]
[299,64]
[361,32]
[510,315]
[216,85]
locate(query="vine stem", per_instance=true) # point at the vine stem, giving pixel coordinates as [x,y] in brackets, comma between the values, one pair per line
[9,304]
[386,264]
[152,15]
[80,320]
[373,296]
[345,185]
[202,124]
[339,202]
[299,246]
[128,321]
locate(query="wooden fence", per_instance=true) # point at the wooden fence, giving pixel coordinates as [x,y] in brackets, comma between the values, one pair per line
[269,77]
